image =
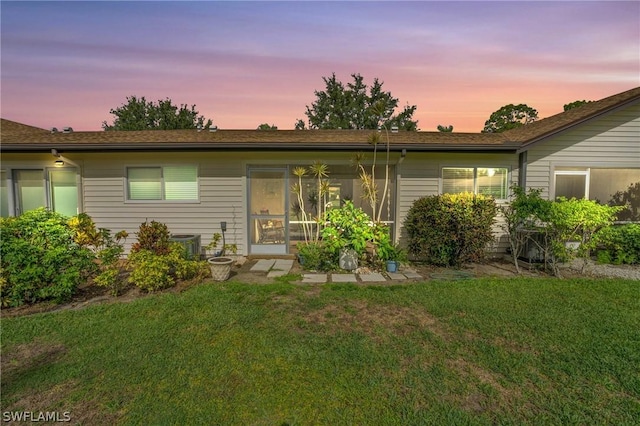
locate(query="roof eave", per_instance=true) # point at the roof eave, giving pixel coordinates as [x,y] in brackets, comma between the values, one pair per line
[525,146]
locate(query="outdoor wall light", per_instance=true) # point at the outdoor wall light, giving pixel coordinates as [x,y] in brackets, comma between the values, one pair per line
[58,163]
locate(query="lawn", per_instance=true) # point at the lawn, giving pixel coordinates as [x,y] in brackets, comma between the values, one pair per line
[486,351]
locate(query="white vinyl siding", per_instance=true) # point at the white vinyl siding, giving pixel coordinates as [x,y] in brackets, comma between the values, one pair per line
[221,195]
[611,142]
[419,175]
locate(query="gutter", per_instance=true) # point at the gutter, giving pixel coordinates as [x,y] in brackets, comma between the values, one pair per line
[181,146]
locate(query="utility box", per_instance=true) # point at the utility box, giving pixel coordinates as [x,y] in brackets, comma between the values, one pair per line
[191,244]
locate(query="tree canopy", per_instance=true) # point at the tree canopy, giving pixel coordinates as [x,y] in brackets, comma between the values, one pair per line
[356,106]
[445,129]
[139,114]
[267,126]
[574,104]
[510,117]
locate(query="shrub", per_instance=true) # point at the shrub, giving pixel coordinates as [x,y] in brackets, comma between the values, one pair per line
[349,227]
[524,211]
[152,236]
[40,259]
[619,244]
[315,256]
[450,229]
[151,271]
[575,220]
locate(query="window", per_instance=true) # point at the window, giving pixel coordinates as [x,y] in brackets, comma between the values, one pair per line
[572,184]
[4,195]
[64,192]
[478,180]
[55,189]
[170,183]
[616,187]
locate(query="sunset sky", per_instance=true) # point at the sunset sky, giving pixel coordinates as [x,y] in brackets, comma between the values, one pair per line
[247,63]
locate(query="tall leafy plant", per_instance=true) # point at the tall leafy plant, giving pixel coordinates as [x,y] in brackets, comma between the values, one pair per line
[370,190]
[319,172]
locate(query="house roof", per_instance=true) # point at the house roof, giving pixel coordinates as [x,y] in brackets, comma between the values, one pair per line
[19,137]
[15,137]
[550,126]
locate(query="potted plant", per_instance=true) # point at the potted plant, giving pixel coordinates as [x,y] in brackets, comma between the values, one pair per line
[220,266]
[392,255]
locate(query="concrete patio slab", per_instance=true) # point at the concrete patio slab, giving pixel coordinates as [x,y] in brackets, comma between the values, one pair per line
[372,278]
[283,265]
[413,275]
[344,278]
[396,276]
[262,265]
[274,273]
[314,278]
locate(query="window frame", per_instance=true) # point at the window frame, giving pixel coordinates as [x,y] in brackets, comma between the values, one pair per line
[475,177]
[14,206]
[163,199]
[586,172]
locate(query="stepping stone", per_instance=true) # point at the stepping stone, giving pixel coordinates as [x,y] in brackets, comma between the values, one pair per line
[276,273]
[413,275]
[344,278]
[372,278]
[396,276]
[314,278]
[283,265]
[262,265]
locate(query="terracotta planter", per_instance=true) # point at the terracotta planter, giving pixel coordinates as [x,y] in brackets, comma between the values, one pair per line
[220,267]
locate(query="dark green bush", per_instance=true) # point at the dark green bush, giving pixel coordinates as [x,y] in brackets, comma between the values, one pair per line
[619,244]
[40,259]
[450,229]
[315,257]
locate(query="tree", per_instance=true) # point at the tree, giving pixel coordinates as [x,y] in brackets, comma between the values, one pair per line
[139,114]
[351,106]
[575,104]
[445,129]
[299,124]
[510,117]
[267,126]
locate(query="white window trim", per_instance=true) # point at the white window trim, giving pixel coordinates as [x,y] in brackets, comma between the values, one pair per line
[475,176]
[127,200]
[586,173]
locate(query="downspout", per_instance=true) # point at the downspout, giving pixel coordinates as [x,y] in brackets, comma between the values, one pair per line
[522,169]
[396,219]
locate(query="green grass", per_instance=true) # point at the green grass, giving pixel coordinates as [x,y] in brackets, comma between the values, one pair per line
[490,351]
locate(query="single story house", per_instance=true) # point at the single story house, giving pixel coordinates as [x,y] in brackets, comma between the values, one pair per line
[194,180]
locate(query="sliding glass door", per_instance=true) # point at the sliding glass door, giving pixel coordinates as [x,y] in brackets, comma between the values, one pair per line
[268,198]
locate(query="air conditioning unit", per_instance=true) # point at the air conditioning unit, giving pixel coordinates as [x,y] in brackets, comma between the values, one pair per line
[191,244]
